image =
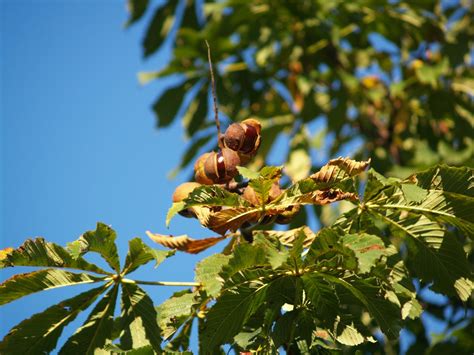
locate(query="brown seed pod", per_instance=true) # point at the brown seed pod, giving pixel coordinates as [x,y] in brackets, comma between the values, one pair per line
[244,138]
[221,167]
[182,192]
[199,174]
[288,215]
[251,196]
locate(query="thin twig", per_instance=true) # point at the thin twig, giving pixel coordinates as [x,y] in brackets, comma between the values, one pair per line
[214,97]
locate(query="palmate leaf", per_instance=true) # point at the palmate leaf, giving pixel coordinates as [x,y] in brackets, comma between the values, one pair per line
[96,330]
[101,241]
[369,295]
[38,252]
[167,105]
[207,273]
[139,254]
[39,334]
[159,27]
[323,299]
[232,309]
[25,284]
[173,312]
[368,249]
[288,237]
[207,195]
[434,254]
[139,319]
[328,250]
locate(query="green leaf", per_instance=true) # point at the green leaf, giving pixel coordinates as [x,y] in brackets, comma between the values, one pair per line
[247,173]
[276,254]
[245,256]
[171,312]
[367,248]
[136,8]
[116,350]
[385,313]
[284,327]
[323,299]
[174,209]
[413,193]
[38,252]
[139,254]
[228,315]
[25,284]
[207,273]
[327,250]
[434,255]
[169,103]
[196,114]
[101,241]
[299,164]
[262,188]
[350,336]
[139,319]
[159,27]
[214,195]
[96,330]
[39,334]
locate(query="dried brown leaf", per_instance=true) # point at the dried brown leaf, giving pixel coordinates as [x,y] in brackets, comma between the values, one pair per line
[231,219]
[339,168]
[184,243]
[288,237]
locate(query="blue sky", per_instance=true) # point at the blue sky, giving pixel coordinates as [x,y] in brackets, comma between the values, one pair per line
[78,138]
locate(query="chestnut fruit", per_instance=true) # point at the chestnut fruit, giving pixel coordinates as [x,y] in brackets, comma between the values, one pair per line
[199,173]
[182,192]
[221,167]
[244,138]
[251,196]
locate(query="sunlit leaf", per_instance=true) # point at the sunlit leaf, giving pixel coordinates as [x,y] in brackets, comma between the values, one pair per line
[139,319]
[40,333]
[25,284]
[101,241]
[171,310]
[139,254]
[96,330]
[207,273]
[38,252]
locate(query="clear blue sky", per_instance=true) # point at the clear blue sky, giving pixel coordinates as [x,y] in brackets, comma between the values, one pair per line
[78,138]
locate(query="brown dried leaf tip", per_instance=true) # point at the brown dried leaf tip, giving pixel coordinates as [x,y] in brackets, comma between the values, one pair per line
[338,168]
[184,243]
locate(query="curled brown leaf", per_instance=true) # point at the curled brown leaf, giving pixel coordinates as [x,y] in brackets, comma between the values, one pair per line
[184,243]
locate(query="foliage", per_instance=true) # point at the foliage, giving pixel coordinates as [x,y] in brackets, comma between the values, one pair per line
[297,290]
[391,80]
[395,76]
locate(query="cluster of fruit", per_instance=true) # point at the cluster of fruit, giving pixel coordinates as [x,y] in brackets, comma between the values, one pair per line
[240,143]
